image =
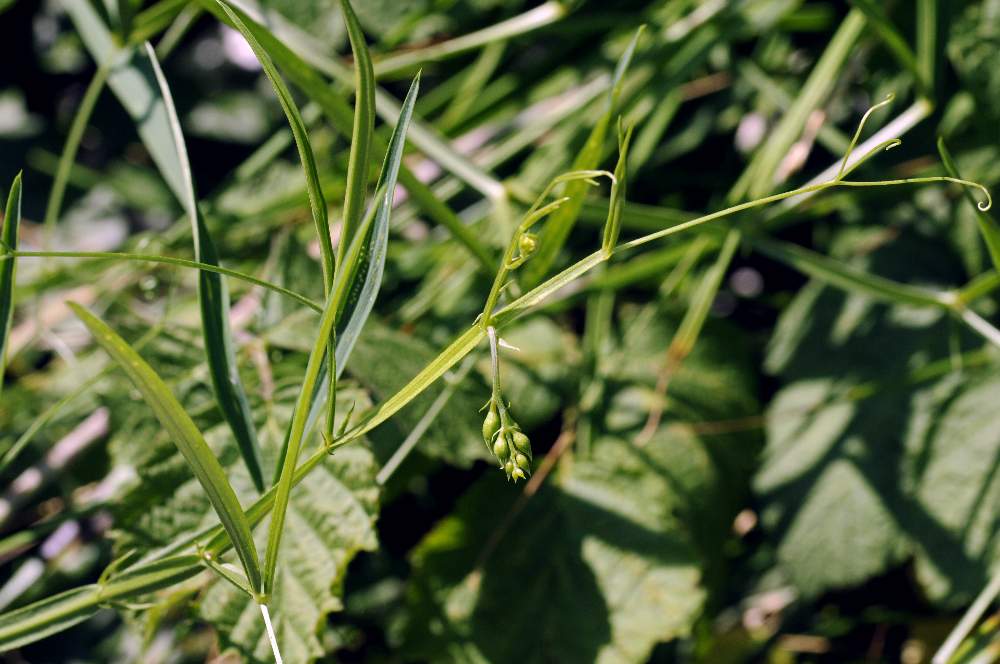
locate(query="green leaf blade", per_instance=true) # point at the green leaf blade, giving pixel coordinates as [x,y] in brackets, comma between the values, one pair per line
[185,436]
[375,225]
[8,271]
[317,202]
[556,231]
[364,124]
[138,82]
[213,299]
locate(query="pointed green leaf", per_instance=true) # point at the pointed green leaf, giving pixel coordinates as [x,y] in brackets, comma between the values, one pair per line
[364,123]
[317,203]
[361,252]
[559,225]
[186,436]
[8,237]
[988,226]
[138,83]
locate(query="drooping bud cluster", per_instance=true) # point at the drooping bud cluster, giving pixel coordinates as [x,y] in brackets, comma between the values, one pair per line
[505,440]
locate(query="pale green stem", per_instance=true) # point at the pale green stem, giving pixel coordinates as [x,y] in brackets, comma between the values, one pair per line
[968,621]
[167,260]
[452,381]
[532,19]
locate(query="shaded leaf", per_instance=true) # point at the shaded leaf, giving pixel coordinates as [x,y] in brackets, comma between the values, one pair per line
[893,457]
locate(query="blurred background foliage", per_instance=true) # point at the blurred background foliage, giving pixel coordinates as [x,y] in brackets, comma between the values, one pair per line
[810,476]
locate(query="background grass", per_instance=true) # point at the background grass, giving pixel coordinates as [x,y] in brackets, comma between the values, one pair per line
[769,438]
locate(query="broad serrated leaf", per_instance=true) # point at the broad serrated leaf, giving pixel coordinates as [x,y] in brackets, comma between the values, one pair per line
[594,570]
[885,460]
[609,557]
[330,518]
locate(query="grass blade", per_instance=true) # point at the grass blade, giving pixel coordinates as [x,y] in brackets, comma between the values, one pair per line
[317,203]
[138,83]
[364,255]
[8,238]
[987,224]
[758,179]
[364,124]
[533,19]
[213,298]
[557,229]
[887,32]
[367,274]
[927,42]
[68,156]
[186,436]
[846,277]
[339,114]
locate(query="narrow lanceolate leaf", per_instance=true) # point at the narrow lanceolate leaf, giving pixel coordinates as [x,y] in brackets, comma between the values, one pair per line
[364,123]
[616,205]
[138,83]
[317,203]
[557,229]
[355,288]
[186,436]
[213,297]
[8,236]
[988,226]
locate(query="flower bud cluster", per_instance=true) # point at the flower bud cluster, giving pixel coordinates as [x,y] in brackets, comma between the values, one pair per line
[505,440]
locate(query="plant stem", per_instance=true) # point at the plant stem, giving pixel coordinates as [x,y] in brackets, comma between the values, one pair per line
[270,633]
[68,156]
[168,260]
[513,27]
[968,621]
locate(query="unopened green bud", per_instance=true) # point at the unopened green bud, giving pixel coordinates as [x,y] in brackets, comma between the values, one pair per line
[509,467]
[500,449]
[527,244]
[521,442]
[491,425]
[521,461]
[518,474]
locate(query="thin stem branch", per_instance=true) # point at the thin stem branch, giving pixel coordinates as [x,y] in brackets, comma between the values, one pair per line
[968,621]
[68,156]
[169,260]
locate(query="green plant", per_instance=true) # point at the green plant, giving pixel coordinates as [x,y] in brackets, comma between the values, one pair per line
[317,414]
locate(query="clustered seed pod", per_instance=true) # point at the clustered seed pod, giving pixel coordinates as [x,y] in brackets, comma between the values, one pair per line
[507,442]
[491,425]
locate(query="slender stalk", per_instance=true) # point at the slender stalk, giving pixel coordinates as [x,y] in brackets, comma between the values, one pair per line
[968,621]
[169,260]
[270,633]
[533,19]
[68,156]
[808,189]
